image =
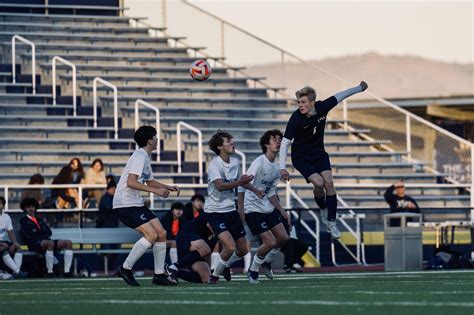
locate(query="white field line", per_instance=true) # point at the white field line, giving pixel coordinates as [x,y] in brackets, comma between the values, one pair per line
[216,302]
[302,276]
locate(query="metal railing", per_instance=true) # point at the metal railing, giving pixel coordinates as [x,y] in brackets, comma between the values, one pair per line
[114,88]
[33,60]
[74,72]
[157,124]
[243,160]
[178,150]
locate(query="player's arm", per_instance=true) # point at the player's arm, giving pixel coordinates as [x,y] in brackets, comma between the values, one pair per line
[328,104]
[243,180]
[240,204]
[274,201]
[12,237]
[132,182]
[285,144]
[157,184]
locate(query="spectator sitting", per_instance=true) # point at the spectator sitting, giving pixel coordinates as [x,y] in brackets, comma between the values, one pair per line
[106,217]
[172,221]
[95,175]
[10,248]
[36,179]
[36,234]
[195,207]
[69,174]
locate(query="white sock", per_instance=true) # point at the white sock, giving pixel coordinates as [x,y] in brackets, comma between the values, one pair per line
[221,264]
[49,257]
[247,261]
[232,260]
[137,251]
[256,263]
[214,260]
[173,255]
[18,258]
[8,261]
[67,260]
[159,254]
[270,255]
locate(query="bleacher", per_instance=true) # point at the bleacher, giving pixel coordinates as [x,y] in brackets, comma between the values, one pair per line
[36,136]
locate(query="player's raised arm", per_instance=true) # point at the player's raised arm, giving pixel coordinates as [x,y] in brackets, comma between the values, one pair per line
[328,104]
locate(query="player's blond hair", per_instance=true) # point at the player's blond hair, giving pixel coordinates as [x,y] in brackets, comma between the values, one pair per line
[306,91]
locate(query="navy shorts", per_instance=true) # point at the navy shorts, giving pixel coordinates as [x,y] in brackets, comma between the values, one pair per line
[35,246]
[133,217]
[227,221]
[261,222]
[311,164]
[183,242]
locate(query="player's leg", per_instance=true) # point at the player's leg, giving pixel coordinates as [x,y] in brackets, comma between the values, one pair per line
[228,247]
[173,252]
[281,237]
[9,262]
[268,243]
[319,195]
[15,251]
[48,246]
[192,260]
[68,254]
[331,200]
[159,254]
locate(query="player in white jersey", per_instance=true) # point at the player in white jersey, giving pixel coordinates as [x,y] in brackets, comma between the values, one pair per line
[130,209]
[220,209]
[263,215]
[11,247]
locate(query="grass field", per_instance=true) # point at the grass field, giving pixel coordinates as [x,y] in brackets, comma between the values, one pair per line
[439,292]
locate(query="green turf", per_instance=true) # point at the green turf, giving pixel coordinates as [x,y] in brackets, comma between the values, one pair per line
[342,293]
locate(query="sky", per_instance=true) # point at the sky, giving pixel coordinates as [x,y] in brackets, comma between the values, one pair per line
[439,30]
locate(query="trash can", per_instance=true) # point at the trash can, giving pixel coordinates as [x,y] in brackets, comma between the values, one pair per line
[403,241]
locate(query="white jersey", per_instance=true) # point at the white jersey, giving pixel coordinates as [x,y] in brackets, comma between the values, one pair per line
[221,201]
[5,225]
[266,176]
[138,164]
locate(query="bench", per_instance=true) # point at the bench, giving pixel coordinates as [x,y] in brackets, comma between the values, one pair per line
[94,237]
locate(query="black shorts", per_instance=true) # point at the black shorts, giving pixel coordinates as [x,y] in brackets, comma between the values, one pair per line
[35,246]
[133,217]
[312,163]
[227,221]
[183,242]
[262,222]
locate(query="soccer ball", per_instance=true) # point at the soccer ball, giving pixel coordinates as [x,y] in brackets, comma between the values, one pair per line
[200,70]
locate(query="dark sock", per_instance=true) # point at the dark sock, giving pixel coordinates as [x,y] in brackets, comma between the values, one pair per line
[188,259]
[190,276]
[332,207]
[321,202]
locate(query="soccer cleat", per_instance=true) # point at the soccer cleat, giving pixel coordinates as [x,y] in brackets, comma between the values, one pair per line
[253,277]
[68,275]
[324,216]
[163,279]
[212,279]
[172,271]
[332,228]
[50,275]
[226,274]
[127,275]
[267,270]
[20,275]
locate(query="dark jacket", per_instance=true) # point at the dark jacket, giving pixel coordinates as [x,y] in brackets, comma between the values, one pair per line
[30,234]
[106,217]
[399,204]
[189,212]
[167,222]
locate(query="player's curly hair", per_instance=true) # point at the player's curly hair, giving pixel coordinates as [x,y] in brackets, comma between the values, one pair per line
[265,139]
[306,91]
[217,140]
